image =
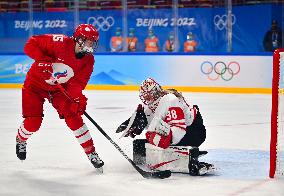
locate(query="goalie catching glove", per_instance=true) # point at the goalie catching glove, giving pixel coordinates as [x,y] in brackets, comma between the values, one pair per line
[138,122]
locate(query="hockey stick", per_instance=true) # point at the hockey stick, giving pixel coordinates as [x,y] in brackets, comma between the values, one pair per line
[145,174]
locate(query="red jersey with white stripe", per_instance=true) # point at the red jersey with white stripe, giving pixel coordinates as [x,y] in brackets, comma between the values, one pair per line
[58,49]
[175,112]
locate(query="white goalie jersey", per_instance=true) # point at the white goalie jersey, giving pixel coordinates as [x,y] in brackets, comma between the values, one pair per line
[174,112]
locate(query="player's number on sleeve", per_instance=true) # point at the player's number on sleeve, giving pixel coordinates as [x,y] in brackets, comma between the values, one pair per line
[58,38]
[172,114]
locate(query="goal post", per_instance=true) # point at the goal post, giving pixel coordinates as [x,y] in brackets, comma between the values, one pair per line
[277,118]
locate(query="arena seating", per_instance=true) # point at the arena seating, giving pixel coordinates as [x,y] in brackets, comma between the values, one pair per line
[64,5]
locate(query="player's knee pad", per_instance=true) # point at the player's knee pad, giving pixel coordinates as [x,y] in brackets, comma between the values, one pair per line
[32,124]
[74,122]
[159,140]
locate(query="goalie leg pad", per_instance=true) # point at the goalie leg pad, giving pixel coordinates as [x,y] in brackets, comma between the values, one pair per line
[174,158]
[159,140]
[139,151]
[181,159]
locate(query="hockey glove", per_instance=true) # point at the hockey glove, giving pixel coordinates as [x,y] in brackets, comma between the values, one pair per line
[44,69]
[78,106]
[162,128]
[138,124]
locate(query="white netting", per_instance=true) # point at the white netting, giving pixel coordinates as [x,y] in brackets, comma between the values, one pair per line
[280,129]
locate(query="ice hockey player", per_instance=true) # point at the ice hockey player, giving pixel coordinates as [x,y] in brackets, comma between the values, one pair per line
[68,61]
[169,121]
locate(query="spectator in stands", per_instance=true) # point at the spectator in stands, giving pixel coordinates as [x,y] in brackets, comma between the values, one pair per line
[151,42]
[3,6]
[273,37]
[131,40]
[190,44]
[169,45]
[116,42]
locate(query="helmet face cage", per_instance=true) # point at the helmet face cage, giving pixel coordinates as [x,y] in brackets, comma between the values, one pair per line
[150,91]
[86,32]
[82,43]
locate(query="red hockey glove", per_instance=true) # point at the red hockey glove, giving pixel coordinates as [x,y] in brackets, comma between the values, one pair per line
[44,69]
[78,106]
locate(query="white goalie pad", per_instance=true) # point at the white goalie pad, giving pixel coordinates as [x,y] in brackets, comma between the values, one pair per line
[174,158]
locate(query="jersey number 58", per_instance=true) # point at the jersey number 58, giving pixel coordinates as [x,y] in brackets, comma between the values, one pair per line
[174,113]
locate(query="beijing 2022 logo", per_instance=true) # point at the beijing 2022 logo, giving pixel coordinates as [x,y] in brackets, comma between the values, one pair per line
[220,69]
[221,21]
[101,23]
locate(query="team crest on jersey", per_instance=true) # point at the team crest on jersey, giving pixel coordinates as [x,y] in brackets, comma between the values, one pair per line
[58,75]
[61,73]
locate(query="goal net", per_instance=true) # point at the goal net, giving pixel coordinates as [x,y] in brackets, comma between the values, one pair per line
[277,116]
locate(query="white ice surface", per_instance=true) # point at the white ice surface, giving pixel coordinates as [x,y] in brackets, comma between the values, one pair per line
[238,136]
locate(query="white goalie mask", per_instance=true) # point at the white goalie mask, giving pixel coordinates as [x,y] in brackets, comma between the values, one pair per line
[150,93]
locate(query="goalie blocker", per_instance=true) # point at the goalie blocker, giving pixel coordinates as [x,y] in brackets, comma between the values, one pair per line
[179,159]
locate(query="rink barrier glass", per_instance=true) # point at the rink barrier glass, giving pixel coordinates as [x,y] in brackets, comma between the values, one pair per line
[179,88]
[186,73]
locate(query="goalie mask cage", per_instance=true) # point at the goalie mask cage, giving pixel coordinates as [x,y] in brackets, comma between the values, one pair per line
[277,116]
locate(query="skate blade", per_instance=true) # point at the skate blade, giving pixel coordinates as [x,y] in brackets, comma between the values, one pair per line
[202,153]
[100,170]
[204,171]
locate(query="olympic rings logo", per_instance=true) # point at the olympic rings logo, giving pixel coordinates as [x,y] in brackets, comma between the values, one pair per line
[221,22]
[220,69]
[101,23]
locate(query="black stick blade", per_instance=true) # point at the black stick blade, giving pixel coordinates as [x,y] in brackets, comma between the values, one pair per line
[161,174]
[154,174]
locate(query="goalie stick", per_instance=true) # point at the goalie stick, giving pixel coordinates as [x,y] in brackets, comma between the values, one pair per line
[145,174]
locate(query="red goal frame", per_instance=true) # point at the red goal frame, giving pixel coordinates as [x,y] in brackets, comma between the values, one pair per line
[274,112]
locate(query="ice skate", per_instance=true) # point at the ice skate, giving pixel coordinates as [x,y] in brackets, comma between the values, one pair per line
[21,149]
[96,161]
[205,168]
[197,168]
[202,153]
